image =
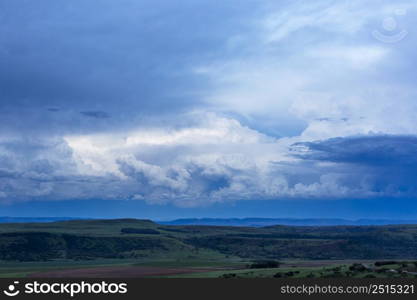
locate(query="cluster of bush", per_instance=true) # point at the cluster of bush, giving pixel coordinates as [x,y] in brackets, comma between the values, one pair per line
[139,231]
[385,262]
[286,274]
[264,264]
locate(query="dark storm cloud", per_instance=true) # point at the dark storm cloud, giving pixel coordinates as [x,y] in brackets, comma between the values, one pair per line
[380,165]
[383,150]
[96,114]
[196,102]
[128,58]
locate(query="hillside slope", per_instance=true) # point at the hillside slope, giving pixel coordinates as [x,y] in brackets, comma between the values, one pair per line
[131,238]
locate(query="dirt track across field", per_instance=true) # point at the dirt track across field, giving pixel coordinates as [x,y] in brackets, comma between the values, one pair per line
[117,272]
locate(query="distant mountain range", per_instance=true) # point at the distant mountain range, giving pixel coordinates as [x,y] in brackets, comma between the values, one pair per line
[248,222]
[34,220]
[261,222]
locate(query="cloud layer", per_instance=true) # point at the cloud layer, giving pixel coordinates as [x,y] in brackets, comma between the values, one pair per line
[194,104]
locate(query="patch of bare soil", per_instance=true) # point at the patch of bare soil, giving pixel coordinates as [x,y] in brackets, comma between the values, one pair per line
[116,272]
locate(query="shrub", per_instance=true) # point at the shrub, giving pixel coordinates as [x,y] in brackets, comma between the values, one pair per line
[357,267]
[227,276]
[139,231]
[384,263]
[264,264]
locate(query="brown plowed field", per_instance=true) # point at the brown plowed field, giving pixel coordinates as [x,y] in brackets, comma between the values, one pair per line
[117,272]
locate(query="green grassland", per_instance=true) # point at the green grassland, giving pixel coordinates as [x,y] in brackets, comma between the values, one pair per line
[26,248]
[395,270]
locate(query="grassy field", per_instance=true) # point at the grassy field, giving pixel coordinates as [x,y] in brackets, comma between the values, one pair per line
[222,269]
[144,247]
[23,269]
[394,270]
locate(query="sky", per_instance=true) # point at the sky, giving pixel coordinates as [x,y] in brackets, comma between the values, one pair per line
[168,109]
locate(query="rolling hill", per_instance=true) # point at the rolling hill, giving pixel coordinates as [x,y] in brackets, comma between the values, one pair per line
[261,222]
[131,238]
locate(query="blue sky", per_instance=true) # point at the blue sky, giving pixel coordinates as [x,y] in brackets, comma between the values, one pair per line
[236,108]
